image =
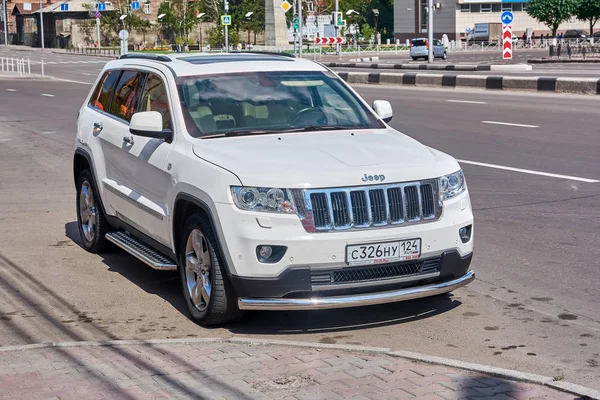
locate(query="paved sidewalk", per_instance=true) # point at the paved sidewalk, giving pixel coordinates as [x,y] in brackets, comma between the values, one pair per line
[216,369]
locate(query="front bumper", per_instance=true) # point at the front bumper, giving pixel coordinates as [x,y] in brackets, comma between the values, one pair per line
[367,299]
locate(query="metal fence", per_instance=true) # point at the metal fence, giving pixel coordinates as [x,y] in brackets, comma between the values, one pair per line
[19,66]
[580,50]
[105,51]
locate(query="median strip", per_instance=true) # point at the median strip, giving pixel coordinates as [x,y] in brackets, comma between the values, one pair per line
[590,86]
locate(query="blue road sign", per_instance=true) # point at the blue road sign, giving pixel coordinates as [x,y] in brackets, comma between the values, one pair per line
[101,6]
[135,5]
[64,7]
[507,17]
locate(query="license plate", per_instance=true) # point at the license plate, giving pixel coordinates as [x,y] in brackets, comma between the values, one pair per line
[377,253]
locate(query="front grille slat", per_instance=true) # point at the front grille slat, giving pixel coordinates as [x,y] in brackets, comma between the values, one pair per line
[412,202]
[376,273]
[378,211]
[365,207]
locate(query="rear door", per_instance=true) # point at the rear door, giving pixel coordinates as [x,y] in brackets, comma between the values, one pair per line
[419,47]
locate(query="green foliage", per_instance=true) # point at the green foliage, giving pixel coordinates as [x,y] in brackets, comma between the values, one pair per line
[179,19]
[217,39]
[238,10]
[552,13]
[588,10]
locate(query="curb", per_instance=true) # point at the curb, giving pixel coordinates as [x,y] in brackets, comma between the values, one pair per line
[590,86]
[86,54]
[567,387]
[435,67]
[563,61]
[365,59]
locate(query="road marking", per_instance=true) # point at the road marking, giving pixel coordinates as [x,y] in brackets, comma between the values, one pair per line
[510,124]
[48,133]
[47,95]
[68,80]
[5,140]
[11,90]
[84,73]
[529,171]
[466,101]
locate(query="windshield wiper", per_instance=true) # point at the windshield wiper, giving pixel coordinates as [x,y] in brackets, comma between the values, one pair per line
[323,128]
[246,132]
[310,128]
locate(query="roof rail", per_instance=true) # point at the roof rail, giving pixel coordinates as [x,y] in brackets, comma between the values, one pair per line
[272,53]
[154,57]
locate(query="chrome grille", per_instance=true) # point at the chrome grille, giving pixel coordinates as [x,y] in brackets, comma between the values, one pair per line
[368,207]
[376,273]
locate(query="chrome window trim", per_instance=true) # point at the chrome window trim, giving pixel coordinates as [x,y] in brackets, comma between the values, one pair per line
[305,209]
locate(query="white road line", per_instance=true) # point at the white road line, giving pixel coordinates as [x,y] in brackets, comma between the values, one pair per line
[529,171]
[69,80]
[11,90]
[509,124]
[466,101]
[83,73]
[47,95]
[48,133]
[5,140]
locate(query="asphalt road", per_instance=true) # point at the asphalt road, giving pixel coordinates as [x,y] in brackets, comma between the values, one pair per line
[533,307]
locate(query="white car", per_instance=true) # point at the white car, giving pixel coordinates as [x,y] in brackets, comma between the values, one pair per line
[268,183]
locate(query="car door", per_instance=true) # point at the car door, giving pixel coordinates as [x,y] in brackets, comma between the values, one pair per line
[136,178]
[438,48]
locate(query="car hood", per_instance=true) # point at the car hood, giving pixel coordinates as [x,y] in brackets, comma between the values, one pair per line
[325,159]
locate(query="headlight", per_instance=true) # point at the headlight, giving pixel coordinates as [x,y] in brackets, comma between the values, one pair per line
[263,199]
[452,185]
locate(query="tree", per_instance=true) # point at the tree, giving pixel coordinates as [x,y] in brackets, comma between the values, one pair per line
[179,18]
[254,23]
[588,10]
[552,13]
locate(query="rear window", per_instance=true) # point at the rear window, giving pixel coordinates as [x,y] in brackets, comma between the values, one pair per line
[419,42]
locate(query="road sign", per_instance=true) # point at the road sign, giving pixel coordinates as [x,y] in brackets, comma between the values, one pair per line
[64,7]
[101,6]
[507,17]
[507,42]
[98,14]
[135,5]
[330,40]
[225,20]
[123,35]
[286,6]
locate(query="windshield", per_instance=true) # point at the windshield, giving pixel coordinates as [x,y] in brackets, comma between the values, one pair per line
[270,102]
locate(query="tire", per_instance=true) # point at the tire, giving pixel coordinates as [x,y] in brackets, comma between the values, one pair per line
[414,58]
[216,304]
[445,56]
[91,221]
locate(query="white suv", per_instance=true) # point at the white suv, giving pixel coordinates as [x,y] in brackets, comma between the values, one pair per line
[268,183]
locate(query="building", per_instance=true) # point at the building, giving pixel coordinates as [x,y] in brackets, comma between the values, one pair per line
[455,17]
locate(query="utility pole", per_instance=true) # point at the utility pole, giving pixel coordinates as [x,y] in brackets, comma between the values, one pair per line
[98,25]
[41,25]
[430,30]
[226,27]
[295,11]
[337,28]
[4,19]
[300,27]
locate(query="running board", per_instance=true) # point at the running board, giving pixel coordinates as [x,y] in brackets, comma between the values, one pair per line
[141,251]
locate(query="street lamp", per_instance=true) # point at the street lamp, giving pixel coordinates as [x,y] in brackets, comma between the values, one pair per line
[160,16]
[200,15]
[122,18]
[350,13]
[247,16]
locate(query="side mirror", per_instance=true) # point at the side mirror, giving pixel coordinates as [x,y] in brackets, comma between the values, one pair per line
[383,109]
[149,124]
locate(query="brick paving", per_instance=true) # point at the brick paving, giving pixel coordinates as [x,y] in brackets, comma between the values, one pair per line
[223,370]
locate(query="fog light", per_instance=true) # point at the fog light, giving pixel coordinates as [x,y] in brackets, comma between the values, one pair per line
[265,252]
[270,254]
[465,233]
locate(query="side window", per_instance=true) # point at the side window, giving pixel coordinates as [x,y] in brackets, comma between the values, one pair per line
[104,91]
[126,99]
[156,98]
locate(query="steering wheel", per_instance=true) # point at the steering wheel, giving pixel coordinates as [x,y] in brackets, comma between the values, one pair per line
[311,114]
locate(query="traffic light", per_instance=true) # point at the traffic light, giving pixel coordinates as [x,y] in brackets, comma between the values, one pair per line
[296,22]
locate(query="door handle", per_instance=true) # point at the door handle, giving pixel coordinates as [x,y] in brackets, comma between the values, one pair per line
[128,140]
[98,126]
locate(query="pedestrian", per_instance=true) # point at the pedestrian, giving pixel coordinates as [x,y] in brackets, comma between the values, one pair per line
[524,37]
[533,38]
[547,37]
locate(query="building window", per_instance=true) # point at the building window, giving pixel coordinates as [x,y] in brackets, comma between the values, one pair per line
[523,6]
[147,8]
[475,8]
[496,7]
[465,8]
[506,6]
[516,7]
[486,8]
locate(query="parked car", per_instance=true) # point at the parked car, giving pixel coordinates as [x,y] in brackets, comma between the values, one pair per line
[268,183]
[419,48]
[575,34]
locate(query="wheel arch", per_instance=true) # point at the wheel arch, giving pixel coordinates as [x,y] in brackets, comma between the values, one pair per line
[184,206]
